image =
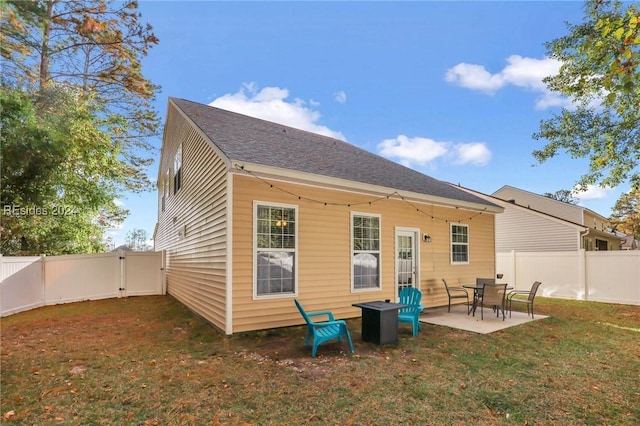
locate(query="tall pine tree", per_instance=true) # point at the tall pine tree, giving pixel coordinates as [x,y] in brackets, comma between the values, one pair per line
[95,46]
[77,118]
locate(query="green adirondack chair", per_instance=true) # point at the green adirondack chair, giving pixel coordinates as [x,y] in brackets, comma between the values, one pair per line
[323,331]
[413,297]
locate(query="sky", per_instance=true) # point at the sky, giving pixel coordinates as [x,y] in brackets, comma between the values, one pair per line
[452,89]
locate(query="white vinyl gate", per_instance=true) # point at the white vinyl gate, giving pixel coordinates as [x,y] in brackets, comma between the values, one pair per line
[30,282]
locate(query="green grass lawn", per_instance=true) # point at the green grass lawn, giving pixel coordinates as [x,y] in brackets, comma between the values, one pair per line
[149,361]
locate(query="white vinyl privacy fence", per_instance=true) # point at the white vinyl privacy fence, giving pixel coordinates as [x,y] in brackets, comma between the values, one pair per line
[30,282]
[599,276]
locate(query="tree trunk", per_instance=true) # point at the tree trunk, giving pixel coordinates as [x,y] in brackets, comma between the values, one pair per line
[44,55]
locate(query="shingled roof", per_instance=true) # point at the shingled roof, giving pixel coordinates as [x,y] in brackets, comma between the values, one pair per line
[246,139]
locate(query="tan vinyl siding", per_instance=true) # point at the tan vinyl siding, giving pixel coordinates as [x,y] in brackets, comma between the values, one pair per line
[596,222]
[521,230]
[324,250]
[196,261]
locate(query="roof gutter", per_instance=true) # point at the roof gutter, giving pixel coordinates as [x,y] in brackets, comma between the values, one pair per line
[286,175]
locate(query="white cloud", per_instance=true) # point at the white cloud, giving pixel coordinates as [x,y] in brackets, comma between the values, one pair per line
[474,77]
[421,151]
[413,150]
[523,72]
[529,72]
[270,103]
[340,97]
[472,153]
[550,99]
[591,193]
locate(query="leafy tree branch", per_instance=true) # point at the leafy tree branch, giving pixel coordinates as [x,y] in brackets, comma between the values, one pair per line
[600,74]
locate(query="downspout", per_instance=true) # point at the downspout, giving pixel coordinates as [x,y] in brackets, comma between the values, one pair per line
[583,235]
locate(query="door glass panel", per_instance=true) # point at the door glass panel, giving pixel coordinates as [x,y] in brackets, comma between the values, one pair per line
[404,262]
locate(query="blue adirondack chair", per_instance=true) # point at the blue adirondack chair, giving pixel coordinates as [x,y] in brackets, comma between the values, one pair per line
[411,296]
[323,331]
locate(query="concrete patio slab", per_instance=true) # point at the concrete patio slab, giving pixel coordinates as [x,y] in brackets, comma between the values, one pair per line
[459,319]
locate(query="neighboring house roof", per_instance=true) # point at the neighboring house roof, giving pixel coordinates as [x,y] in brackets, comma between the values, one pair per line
[534,198]
[246,139]
[122,247]
[508,203]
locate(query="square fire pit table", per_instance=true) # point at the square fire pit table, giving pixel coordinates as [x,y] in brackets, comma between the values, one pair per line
[379,321]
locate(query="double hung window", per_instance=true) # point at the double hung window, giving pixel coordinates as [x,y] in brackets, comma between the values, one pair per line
[459,243]
[365,261]
[275,249]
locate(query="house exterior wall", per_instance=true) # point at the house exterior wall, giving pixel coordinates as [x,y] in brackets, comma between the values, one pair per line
[206,227]
[602,240]
[601,243]
[192,226]
[596,221]
[324,250]
[508,239]
[521,230]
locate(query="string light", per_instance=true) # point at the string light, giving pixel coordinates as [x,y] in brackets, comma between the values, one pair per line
[370,202]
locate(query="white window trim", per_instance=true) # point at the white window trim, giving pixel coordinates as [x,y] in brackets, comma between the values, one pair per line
[177,170]
[256,296]
[451,244]
[373,289]
[166,190]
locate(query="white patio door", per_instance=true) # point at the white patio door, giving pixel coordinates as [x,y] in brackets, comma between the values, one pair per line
[406,264]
